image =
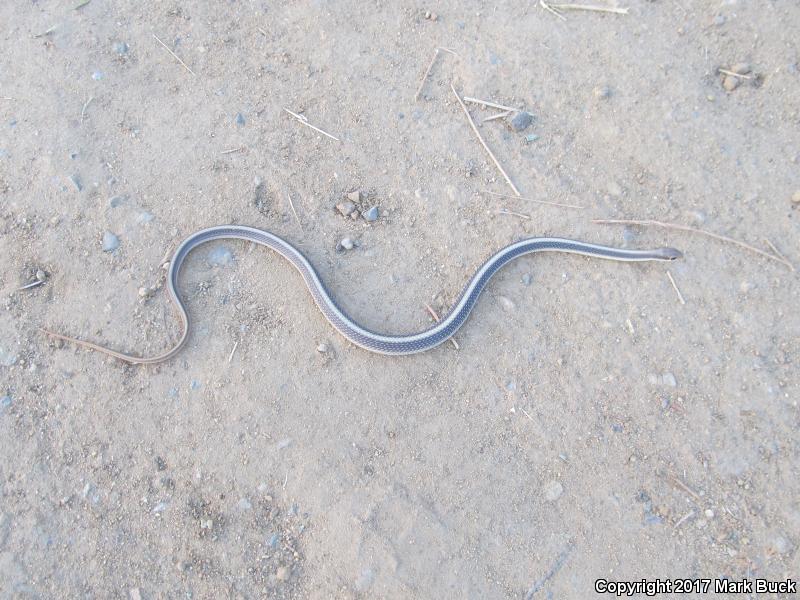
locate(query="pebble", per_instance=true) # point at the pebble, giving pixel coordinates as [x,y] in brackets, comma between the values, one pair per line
[506,303]
[282,574]
[667,379]
[76,181]
[116,201]
[526,279]
[110,242]
[521,120]
[552,491]
[221,256]
[195,385]
[40,275]
[355,196]
[371,215]
[240,119]
[322,348]
[347,243]
[345,207]
[5,402]
[730,83]
[121,48]
[531,137]
[97,75]
[431,16]
[602,92]
[796,197]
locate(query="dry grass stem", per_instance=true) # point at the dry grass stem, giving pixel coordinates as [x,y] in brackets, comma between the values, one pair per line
[545,202]
[305,122]
[483,143]
[675,285]
[178,58]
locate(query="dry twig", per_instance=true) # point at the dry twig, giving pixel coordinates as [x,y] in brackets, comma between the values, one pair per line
[485,147]
[291,204]
[490,104]
[178,58]
[504,211]
[305,122]
[675,285]
[590,7]
[532,200]
[437,319]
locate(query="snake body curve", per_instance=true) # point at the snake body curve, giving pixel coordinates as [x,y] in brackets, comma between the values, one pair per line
[374,342]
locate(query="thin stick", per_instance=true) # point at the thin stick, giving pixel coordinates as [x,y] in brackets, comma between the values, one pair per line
[185,66]
[716,236]
[427,72]
[232,150]
[511,213]
[82,4]
[33,284]
[526,413]
[608,9]
[480,139]
[778,253]
[487,103]
[675,285]
[305,122]
[230,357]
[453,52]
[547,7]
[48,32]
[289,196]
[532,200]
[437,319]
[684,518]
[263,32]
[85,106]
[734,74]
[6,98]
[497,116]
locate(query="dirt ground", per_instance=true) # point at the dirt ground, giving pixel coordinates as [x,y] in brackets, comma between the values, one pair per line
[590,425]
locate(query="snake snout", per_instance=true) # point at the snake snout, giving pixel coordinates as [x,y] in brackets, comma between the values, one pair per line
[670,253]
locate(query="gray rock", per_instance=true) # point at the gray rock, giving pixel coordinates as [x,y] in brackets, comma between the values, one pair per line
[354,196]
[345,207]
[669,379]
[521,120]
[526,279]
[240,119]
[121,48]
[195,384]
[76,181]
[5,402]
[741,68]
[371,215]
[116,201]
[110,242]
[221,256]
[97,75]
[347,244]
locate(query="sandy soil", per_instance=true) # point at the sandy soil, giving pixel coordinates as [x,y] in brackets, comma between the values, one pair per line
[591,425]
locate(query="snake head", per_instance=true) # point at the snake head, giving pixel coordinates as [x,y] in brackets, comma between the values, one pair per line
[670,253]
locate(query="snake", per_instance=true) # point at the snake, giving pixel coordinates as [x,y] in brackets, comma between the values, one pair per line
[379,343]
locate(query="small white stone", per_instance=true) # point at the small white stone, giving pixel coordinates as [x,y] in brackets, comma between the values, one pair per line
[553,491]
